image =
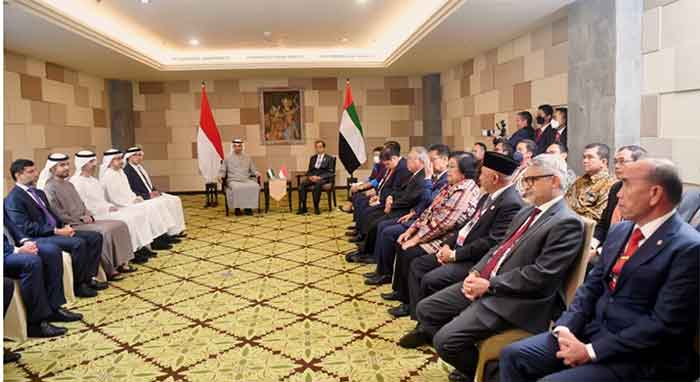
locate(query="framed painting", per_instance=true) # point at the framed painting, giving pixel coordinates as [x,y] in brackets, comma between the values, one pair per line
[282,116]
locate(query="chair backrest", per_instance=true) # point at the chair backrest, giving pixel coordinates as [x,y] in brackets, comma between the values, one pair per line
[579,271]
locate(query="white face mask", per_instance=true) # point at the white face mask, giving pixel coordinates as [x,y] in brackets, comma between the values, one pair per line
[554,124]
[376,159]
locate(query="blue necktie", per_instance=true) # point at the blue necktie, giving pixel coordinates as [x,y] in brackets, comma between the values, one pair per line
[49,218]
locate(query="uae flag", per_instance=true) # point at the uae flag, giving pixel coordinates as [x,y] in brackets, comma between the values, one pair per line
[210,152]
[351,141]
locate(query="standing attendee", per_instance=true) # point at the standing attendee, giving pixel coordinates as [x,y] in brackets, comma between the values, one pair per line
[320,171]
[523,121]
[462,249]
[518,284]
[29,210]
[39,269]
[242,187]
[544,119]
[588,196]
[479,150]
[558,148]
[636,315]
[117,250]
[143,228]
[558,131]
[141,184]
[689,208]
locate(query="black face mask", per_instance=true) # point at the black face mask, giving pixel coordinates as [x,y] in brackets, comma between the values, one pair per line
[540,120]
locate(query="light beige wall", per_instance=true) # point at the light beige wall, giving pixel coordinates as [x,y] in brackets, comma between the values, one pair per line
[167,114]
[671,83]
[519,75]
[51,108]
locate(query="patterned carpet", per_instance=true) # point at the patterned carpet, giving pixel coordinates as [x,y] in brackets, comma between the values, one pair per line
[261,298]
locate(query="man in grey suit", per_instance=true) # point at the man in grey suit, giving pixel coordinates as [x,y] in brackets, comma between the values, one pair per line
[689,209]
[518,284]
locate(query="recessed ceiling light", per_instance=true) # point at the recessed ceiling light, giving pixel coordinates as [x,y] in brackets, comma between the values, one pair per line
[361,1]
[145,1]
[194,42]
[344,39]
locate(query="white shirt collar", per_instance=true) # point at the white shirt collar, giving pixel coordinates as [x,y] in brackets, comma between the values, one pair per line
[652,226]
[20,185]
[498,192]
[544,207]
[441,174]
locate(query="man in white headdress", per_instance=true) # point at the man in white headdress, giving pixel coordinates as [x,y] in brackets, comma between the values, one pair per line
[65,201]
[242,188]
[141,185]
[142,228]
[118,192]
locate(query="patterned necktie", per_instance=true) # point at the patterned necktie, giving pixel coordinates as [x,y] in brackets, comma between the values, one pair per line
[507,246]
[49,218]
[632,247]
[472,222]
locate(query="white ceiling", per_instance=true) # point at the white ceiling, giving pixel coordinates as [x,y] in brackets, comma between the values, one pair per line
[455,30]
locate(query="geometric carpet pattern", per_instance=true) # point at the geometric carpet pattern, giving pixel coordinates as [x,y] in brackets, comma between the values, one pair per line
[253,298]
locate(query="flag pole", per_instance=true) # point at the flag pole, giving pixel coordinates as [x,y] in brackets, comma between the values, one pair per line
[210,188]
[352,176]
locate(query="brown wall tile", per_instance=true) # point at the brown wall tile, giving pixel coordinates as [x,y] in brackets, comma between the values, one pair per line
[230,132]
[556,60]
[230,100]
[414,141]
[492,57]
[324,83]
[251,100]
[250,116]
[650,116]
[468,103]
[15,62]
[302,83]
[509,73]
[157,102]
[155,150]
[522,96]
[465,87]
[401,128]
[487,79]
[151,120]
[161,182]
[137,119]
[148,135]
[398,82]
[67,136]
[70,77]
[226,86]
[194,150]
[402,96]
[505,99]
[328,130]
[377,97]
[487,121]
[560,31]
[329,98]
[541,38]
[468,68]
[151,87]
[178,86]
[30,87]
[309,114]
[54,72]
[40,113]
[57,114]
[82,97]
[99,118]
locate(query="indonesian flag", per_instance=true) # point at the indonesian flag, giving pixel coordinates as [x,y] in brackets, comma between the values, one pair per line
[351,142]
[210,152]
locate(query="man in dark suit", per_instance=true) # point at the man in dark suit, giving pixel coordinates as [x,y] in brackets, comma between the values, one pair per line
[321,170]
[558,131]
[523,121]
[689,208]
[611,214]
[518,284]
[636,315]
[545,114]
[39,267]
[461,250]
[28,208]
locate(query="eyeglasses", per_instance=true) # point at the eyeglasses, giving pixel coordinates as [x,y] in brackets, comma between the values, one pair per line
[530,180]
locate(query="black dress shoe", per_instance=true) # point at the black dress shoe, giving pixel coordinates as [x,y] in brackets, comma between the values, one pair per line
[64,315]
[160,245]
[45,330]
[173,240]
[414,339]
[378,280]
[181,235]
[356,239]
[351,228]
[367,259]
[400,311]
[248,212]
[317,211]
[10,356]
[140,259]
[302,212]
[391,296]
[237,212]
[84,290]
[98,285]
[352,233]
[370,274]
[352,257]
[458,376]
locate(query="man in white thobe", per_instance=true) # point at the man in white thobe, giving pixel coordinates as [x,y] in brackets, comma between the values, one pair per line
[118,192]
[142,228]
[66,203]
[240,175]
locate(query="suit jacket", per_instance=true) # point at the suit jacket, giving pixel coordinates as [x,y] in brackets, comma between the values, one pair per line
[327,169]
[411,193]
[137,185]
[491,227]
[690,205]
[524,133]
[396,180]
[651,317]
[549,136]
[25,213]
[15,234]
[528,289]
[602,228]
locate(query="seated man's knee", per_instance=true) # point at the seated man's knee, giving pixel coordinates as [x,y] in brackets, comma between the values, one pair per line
[32,263]
[444,344]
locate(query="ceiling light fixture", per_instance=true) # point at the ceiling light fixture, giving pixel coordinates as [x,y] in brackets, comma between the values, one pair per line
[194,42]
[145,1]
[344,39]
[361,2]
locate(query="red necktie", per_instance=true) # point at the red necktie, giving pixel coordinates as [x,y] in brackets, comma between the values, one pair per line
[632,247]
[557,137]
[507,246]
[538,133]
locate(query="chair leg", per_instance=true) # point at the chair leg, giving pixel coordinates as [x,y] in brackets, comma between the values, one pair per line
[226,204]
[330,202]
[335,200]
